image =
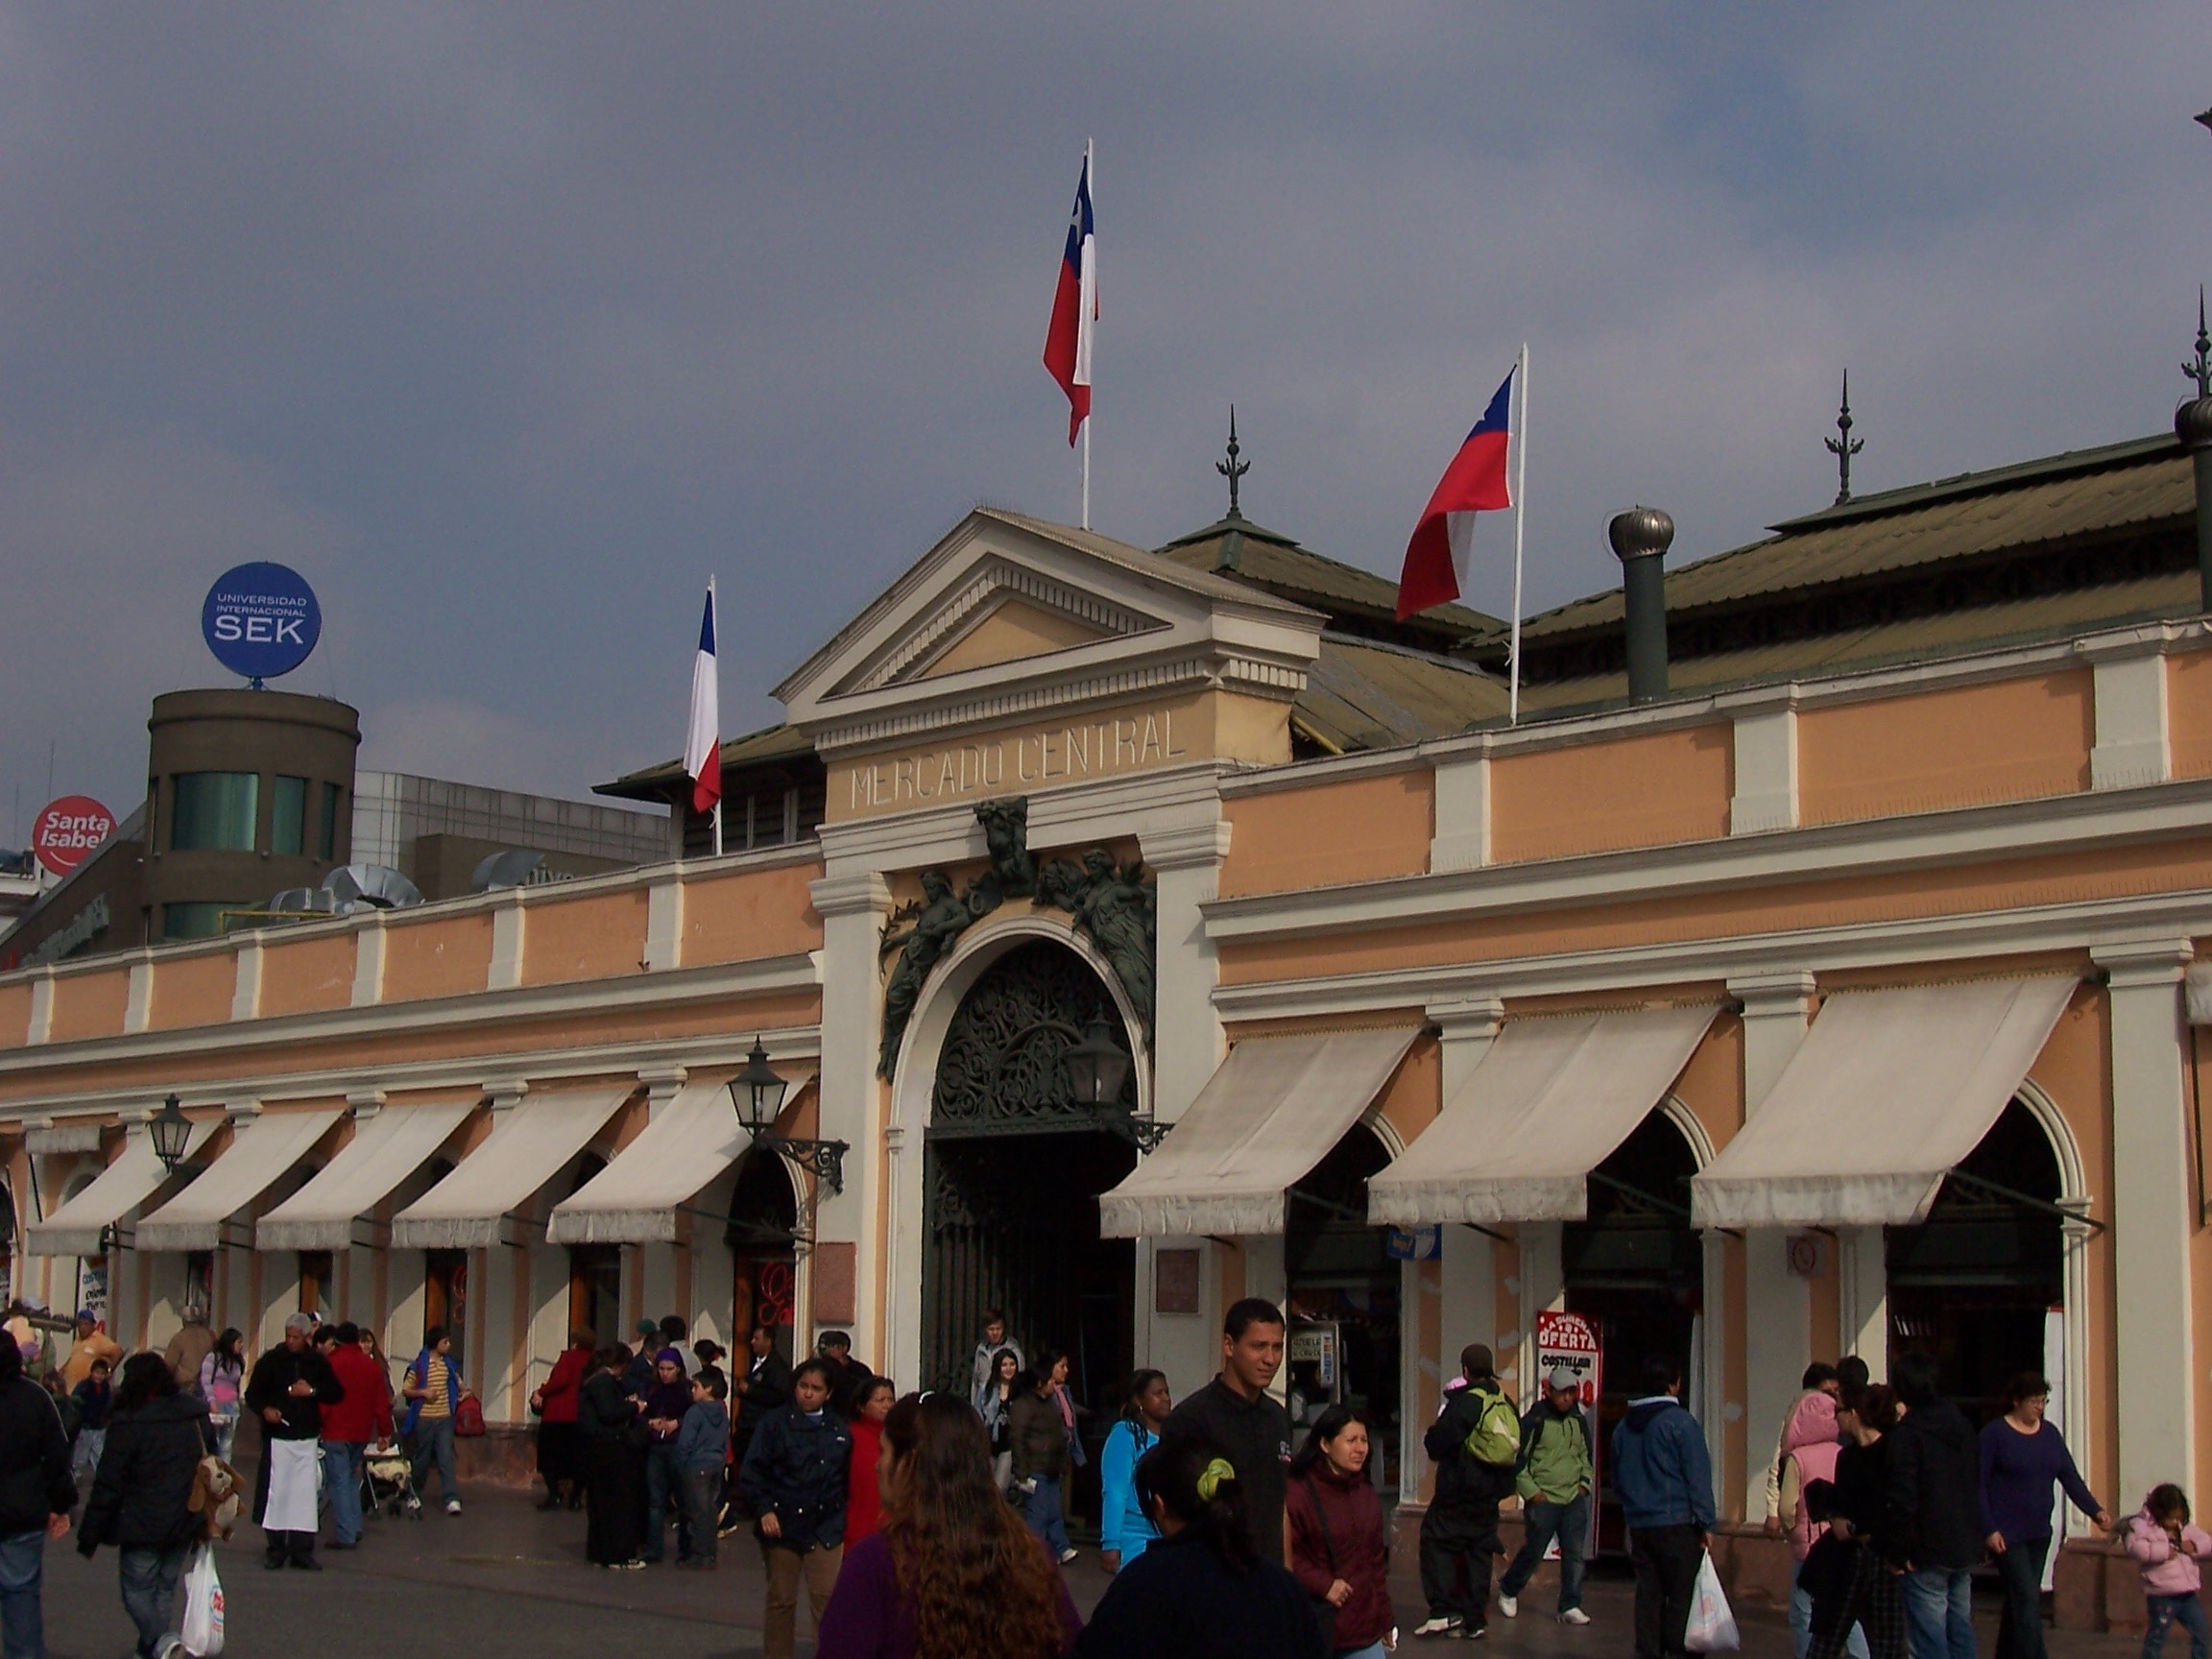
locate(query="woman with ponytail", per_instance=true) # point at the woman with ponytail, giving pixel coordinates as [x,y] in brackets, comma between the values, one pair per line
[954,1572]
[1202,1590]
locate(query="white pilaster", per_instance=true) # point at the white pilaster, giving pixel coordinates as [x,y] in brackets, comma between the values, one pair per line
[2152,1218]
[1777,1304]
[1460,838]
[2131,736]
[664,923]
[1715,1409]
[41,1008]
[852,908]
[138,1002]
[245,982]
[369,962]
[1863,1298]
[1766,771]
[509,922]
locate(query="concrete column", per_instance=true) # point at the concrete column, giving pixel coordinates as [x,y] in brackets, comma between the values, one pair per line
[369,962]
[1460,838]
[2152,1220]
[510,921]
[1777,1305]
[1862,1300]
[246,982]
[1766,771]
[2131,738]
[665,1291]
[1466,1287]
[1715,1409]
[852,908]
[664,924]
[138,1001]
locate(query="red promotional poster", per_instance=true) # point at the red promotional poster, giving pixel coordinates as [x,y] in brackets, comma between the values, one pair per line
[68,829]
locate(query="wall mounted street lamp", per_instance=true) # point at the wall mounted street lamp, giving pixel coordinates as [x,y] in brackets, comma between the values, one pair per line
[1096,1069]
[171,1132]
[757,1094]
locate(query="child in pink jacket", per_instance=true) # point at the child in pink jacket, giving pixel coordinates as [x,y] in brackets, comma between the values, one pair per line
[2168,1548]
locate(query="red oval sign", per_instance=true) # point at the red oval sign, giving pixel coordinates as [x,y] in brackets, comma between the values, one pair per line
[68,829]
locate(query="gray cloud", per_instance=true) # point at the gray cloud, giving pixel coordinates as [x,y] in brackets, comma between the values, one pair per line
[508,326]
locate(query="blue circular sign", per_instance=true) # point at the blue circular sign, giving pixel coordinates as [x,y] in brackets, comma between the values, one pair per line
[262,620]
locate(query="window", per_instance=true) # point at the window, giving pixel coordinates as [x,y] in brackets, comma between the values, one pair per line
[213,811]
[326,847]
[288,817]
[199,920]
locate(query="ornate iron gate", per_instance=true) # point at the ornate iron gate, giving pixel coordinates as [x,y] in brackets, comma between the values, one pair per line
[1012,1172]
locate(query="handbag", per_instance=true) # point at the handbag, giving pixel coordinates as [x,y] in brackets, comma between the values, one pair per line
[1712,1624]
[202,1627]
[469,1418]
[1321,1603]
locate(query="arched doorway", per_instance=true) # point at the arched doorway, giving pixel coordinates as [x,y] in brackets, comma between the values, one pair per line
[1339,1284]
[1975,1283]
[1012,1171]
[763,1239]
[1634,1268]
[594,1273]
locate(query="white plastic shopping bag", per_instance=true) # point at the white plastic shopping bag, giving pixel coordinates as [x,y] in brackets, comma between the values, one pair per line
[1712,1627]
[201,1630]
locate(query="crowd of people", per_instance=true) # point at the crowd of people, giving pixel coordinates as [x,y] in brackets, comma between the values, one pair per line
[932,1524]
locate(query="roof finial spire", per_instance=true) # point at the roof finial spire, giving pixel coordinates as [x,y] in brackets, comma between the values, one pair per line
[1233,468]
[1844,445]
[2200,370]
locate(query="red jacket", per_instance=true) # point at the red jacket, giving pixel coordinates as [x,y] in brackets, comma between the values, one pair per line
[365,1414]
[559,1390]
[1351,1548]
[863,1496]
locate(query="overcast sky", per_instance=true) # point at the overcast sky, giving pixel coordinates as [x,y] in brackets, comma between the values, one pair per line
[507,326]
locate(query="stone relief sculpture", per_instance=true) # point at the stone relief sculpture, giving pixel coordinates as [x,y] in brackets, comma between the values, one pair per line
[1110,901]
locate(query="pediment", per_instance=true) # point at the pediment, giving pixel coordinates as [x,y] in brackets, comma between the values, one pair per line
[1008,615]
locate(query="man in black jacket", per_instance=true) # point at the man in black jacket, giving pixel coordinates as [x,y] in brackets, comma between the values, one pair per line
[1933,1528]
[36,1494]
[1240,1419]
[289,1387]
[141,1499]
[1459,1533]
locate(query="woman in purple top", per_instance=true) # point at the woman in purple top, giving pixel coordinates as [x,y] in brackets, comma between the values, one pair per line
[2022,1458]
[955,1572]
[662,1409]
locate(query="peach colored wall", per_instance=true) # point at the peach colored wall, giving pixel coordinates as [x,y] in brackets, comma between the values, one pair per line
[750,915]
[2112,872]
[448,956]
[193,991]
[2008,740]
[1643,791]
[90,1005]
[1711,1084]
[601,936]
[1354,830]
[1415,1095]
[15,1014]
[2189,713]
[307,976]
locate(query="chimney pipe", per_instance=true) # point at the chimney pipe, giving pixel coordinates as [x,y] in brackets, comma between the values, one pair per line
[2193,425]
[1640,537]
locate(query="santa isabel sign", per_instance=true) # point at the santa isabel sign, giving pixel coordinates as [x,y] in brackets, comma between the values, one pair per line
[1099,746]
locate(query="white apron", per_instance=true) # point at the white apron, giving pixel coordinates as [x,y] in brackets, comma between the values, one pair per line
[292,1479]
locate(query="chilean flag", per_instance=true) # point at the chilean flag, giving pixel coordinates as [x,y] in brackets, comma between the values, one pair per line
[1475,482]
[703,742]
[1075,308]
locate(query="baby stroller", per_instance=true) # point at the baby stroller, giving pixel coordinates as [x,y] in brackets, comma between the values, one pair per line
[388,1484]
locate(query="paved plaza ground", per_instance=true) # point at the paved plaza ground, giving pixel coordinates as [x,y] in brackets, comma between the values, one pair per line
[503,1581]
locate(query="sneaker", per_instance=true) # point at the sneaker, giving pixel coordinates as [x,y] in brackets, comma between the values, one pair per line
[1066,1556]
[1509,1606]
[1471,1633]
[1574,1616]
[1440,1625]
[452,1505]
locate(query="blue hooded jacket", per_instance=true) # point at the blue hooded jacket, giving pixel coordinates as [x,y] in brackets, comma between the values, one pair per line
[1661,1468]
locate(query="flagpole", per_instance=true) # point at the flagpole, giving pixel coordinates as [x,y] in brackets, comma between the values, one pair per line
[1520,509]
[716,611]
[1091,182]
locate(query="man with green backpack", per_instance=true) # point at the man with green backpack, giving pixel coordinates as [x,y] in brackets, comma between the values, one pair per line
[1475,1446]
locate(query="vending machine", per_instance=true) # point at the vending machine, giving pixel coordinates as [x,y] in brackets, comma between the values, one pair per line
[1313,1359]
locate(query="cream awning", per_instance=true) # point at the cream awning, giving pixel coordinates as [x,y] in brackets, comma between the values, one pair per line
[634,1199]
[1888,1091]
[259,1154]
[1546,1105]
[525,1150]
[1270,1113]
[75,1229]
[386,1148]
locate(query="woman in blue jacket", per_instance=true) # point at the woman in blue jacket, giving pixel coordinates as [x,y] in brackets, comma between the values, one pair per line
[794,1477]
[1123,1527]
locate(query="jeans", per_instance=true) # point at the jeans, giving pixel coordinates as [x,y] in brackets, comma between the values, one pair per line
[2164,1610]
[664,1486]
[342,1486]
[225,1432]
[1570,1523]
[434,1438]
[1373,1651]
[22,1624]
[1041,1508]
[84,1455]
[701,1492]
[1665,1559]
[2020,1626]
[1939,1613]
[1801,1620]
[150,1593]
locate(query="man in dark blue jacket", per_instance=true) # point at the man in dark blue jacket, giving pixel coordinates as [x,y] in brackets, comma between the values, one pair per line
[794,1477]
[1664,1474]
[36,1494]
